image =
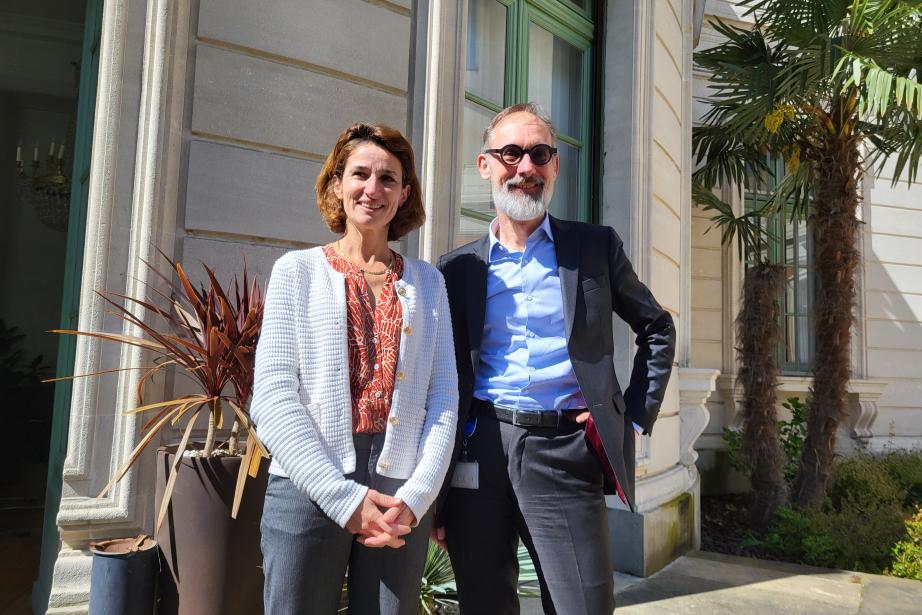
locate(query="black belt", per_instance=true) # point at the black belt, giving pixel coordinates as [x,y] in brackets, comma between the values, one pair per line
[524,418]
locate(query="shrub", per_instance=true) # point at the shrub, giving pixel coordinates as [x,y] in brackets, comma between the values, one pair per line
[863,537]
[849,538]
[862,482]
[793,533]
[906,469]
[791,434]
[907,554]
[857,527]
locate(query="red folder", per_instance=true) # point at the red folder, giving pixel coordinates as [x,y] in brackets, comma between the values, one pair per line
[595,443]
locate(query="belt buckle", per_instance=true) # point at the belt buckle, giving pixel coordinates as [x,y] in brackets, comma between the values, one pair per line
[515,417]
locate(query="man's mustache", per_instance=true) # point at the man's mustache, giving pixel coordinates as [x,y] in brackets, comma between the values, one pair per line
[524,182]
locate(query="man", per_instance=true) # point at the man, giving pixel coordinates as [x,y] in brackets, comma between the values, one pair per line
[531,307]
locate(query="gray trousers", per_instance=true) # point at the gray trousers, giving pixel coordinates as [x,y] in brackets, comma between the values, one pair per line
[542,485]
[306,554]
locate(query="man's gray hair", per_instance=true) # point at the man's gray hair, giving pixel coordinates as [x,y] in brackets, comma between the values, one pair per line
[532,108]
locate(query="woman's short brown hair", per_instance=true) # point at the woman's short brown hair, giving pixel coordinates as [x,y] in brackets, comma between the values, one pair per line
[410,215]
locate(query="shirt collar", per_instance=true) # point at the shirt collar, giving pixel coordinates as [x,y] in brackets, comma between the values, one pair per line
[545,226]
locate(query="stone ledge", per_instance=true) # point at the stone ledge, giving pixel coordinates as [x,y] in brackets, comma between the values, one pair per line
[863,395]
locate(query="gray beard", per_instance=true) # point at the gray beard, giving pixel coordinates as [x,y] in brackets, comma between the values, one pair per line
[520,206]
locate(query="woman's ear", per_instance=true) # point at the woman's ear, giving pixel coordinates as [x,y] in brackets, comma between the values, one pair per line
[337,187]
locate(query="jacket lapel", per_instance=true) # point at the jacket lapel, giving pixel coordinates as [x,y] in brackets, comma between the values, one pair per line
[567,249]
[476,290]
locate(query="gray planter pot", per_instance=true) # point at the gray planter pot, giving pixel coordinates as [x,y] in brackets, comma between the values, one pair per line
[123,580]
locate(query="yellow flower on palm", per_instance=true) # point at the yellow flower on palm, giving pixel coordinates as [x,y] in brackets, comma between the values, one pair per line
[774,120]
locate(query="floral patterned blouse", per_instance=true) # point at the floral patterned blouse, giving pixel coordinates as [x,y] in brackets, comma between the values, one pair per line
[374,342]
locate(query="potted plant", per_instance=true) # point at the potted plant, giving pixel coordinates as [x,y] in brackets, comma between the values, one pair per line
[210,542]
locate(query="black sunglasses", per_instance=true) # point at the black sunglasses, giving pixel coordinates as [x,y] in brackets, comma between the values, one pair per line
[540,154]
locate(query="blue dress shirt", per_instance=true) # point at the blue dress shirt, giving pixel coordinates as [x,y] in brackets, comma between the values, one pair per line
[524,362]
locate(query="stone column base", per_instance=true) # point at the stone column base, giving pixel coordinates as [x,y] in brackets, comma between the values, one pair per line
[645,541]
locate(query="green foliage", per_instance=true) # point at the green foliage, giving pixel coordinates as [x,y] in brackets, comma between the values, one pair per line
[862,482]
[907,554]
[862,524]
[733,439]
[774,88]
[905,469]
[438,587]
[791,433]
[438,592]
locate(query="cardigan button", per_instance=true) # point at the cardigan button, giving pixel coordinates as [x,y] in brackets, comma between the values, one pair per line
[402,291]
[383,465]
[394,421]
[407,330]
[399,375]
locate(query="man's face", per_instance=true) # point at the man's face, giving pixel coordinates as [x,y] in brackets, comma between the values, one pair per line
[522,190]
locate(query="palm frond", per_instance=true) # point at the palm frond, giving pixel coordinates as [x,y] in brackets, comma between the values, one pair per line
[724,159]
[791,194]
[528,574]
[746,227]
[880,88]
[900,140]
[797,21]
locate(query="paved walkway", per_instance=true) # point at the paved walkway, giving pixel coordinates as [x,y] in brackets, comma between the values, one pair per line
[714,584]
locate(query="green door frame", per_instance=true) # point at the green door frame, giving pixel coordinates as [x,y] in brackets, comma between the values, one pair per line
[70,300]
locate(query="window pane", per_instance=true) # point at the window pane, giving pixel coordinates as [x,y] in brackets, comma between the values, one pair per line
[566,190]
[486,50]
[555,79]
[790,339]
[789,239]
[475,192]
[804,335]
[802,239]
[789,284]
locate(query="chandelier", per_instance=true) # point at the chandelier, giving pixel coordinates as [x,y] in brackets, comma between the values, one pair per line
[46,191]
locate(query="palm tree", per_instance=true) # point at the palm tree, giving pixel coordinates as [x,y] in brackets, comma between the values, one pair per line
[833,87]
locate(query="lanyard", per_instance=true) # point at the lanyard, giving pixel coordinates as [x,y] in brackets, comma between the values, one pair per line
[469,428]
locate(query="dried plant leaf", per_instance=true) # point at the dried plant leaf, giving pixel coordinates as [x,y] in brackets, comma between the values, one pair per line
[174,470]
[209,332]
[134,455]
[242,476]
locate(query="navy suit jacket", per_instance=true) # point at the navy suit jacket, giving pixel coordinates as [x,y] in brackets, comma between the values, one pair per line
[596,280]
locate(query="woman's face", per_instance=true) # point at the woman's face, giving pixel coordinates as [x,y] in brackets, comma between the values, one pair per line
[371,188]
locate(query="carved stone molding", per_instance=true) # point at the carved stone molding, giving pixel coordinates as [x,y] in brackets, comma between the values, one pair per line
[862,398]
[862,411]
[131,214]
[733,400]
[695,387]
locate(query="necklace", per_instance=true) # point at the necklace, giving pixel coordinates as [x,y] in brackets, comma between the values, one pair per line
[365,271]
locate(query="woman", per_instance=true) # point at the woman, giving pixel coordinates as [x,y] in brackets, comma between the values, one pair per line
[355,393]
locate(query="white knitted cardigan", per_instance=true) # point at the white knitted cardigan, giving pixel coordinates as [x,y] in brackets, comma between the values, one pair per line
[301,399]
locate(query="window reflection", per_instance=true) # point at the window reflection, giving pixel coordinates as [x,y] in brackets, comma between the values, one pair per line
[486,50]
[555,78]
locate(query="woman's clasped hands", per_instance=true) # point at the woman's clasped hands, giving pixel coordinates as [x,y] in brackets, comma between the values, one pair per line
[380,520]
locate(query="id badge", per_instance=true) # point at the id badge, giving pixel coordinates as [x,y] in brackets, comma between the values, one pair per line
[466,476]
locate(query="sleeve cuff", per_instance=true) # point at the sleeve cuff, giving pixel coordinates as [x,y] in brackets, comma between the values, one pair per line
[414,502]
